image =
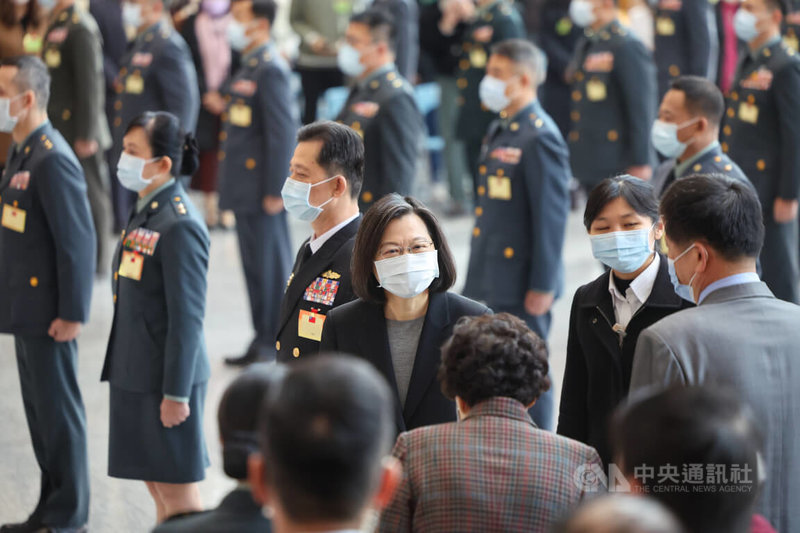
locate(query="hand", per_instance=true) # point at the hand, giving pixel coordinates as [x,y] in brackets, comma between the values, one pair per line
[538,303]
[174,413]
[483,34]
[465,9]
[784,210]
[64,330]
[214,103]
[319,46]
[84,148]
[643,172]
[273,205]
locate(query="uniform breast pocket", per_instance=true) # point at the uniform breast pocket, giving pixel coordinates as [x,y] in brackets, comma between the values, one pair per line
[240,112]
[506,270]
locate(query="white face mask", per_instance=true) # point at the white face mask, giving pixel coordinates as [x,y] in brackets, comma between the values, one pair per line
[492,92]
[408,275]
[664,137]
[237,35]
[132,14]
[745,25]
[129,172]
[296,200]
[582,13]
[7,122]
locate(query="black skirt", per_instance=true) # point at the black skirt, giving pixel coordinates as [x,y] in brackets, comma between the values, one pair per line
[140,447]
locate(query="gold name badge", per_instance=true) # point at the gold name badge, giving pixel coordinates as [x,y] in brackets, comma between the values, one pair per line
[241,115]
[309,325]
[134,84]
[596,91]
[477,57]
[499,188]
[791,40]
[665,26]
[53,58]
[748,113]
[14,218]
[131,265]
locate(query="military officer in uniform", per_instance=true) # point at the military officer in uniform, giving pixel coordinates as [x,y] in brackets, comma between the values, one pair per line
[73,53]
[613,97]
[523,199]
[685,40]
[47,262]
[791,34]
[326,173]
[156,74]
[380,107]
[491,22]
[762,134]
[156,362]
[687,133]
[259,127]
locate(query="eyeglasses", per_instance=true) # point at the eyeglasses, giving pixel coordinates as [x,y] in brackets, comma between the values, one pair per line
[389,251]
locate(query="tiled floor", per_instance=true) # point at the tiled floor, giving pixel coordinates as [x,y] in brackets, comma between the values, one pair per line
[125,506]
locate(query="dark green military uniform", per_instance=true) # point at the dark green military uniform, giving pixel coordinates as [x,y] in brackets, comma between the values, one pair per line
[684,33]
[494,22]
[791,33]
[613,105]
[712,160]
[73,53]
[258,137]
[47,262]
[157,74]
[522,207]
[761,132]
[156,348]
[381,108]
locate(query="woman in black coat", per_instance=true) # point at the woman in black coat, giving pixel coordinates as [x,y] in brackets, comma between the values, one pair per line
[402,269]
[609,313]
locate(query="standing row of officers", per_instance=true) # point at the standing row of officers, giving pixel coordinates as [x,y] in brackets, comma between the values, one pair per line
[522,168]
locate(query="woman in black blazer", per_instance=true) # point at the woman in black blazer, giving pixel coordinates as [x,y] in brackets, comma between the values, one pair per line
[621,217]
[401,271]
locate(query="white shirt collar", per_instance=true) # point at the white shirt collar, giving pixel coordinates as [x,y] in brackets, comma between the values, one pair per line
[316,242]
[641,286]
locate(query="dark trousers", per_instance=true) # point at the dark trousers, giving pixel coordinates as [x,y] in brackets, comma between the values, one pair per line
[473,147]
[780,264]
[95,169]
[316,81]
[267,260]
[542,411]
[57,425]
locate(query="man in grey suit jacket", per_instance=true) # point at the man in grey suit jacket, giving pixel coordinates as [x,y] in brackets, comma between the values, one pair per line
[739,335]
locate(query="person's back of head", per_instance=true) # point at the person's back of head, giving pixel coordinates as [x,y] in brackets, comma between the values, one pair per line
[695,450]
[239,420]
[620,514]
[325,437]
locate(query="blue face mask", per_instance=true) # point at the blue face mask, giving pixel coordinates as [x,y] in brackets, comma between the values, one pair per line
[492,92]
[349,61]
[237,35]
[129,172]
[745,25]
[623,251]
[295,196]
[684,291]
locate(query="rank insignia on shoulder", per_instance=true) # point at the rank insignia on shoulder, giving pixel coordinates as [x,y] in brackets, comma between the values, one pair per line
[20,180]
[48,144]
[289,281]
[330,274]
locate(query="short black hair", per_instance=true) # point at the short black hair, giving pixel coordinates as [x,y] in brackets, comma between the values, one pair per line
[494,355]
[265,9]
[167,139]
[524,54]
[342,151]
[238,419]
[639,194]
[32,75]
[324,435]
[381,25]
[686,426]
[368,241]
[716,209]
[702,97]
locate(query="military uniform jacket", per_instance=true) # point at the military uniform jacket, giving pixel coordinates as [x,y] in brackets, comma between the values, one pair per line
[315,286]
[761,131]
[47,238]
[497,22]
[714,161]
[159,284]
[613,104]
[258,134]
[791,34]
[157,74]
[684,33]
[381,108]
[74,56]
[523,202]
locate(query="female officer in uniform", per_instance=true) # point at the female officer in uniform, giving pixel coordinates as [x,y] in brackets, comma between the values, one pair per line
[156,360]
[608,314]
